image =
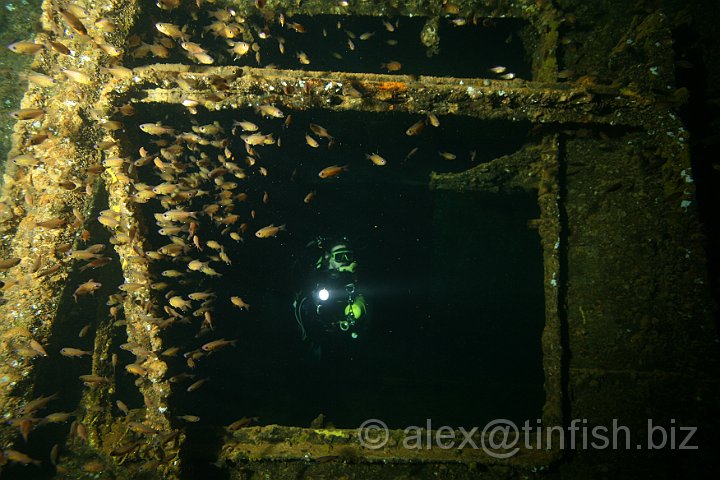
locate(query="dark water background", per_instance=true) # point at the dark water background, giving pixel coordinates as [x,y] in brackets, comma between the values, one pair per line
[453,281]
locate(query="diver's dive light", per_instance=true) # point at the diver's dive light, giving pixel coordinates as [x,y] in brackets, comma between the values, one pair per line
[323,294]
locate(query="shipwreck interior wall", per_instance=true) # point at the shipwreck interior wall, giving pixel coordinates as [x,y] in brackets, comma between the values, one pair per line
[534,241]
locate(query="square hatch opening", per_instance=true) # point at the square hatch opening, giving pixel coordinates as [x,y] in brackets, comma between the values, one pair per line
[453,280]
[448,46]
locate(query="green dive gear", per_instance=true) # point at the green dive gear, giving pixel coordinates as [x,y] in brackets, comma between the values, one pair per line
[356,309]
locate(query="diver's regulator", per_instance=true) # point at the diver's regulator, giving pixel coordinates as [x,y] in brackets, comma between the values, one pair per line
[353,310]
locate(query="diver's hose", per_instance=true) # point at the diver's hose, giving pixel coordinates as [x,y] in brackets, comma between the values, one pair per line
[298,316]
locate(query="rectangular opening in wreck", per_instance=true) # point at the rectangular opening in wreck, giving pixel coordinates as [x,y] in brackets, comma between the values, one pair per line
[80,321]
[369,44]
[453,280]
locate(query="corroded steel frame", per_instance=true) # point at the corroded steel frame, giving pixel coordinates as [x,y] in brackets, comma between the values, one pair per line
[526,169]
[33,306]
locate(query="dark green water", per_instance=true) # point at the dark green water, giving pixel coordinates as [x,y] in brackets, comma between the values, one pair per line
[453,281]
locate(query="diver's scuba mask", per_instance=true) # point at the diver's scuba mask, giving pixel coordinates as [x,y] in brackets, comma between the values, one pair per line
[341,258]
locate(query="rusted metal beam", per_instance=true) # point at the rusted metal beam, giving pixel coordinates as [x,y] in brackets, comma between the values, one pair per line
[413,444]
[517,170]
[414,8]
[40,189]
[243,87]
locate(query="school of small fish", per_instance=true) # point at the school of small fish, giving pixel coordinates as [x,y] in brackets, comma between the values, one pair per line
[197,191]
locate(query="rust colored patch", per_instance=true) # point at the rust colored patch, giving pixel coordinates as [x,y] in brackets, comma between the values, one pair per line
[395,87]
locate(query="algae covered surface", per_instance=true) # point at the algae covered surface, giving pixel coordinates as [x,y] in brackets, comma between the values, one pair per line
[518,184]
[18,21]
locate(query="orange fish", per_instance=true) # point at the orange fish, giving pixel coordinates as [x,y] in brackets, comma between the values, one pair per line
[240,303]
[25,47]
[332,170]
[196,385]
[269,231]
[391,66]
[376,159]
[216,344]
[311,141]
[73,352]
[415,128]
[320,131]
[19,457]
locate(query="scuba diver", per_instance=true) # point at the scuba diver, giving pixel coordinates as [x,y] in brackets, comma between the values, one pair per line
[329,309]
